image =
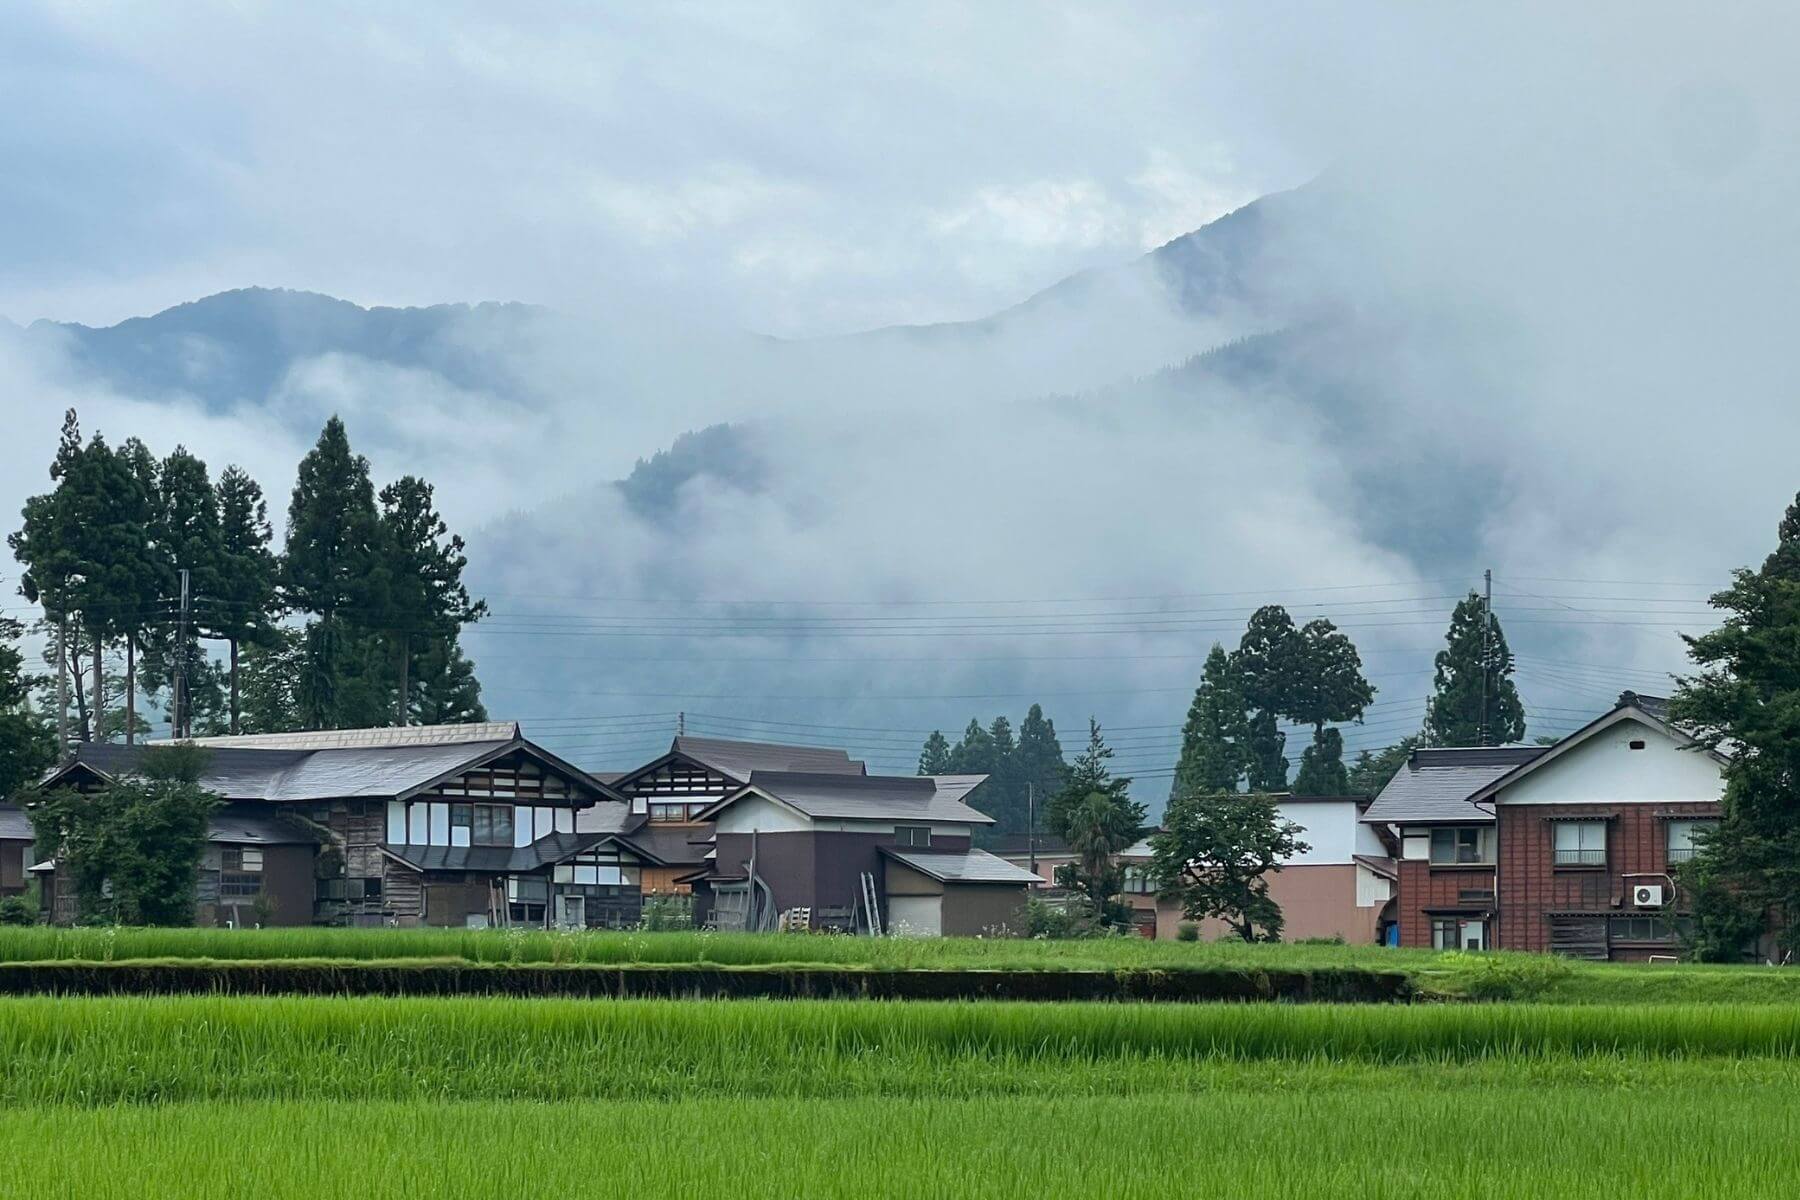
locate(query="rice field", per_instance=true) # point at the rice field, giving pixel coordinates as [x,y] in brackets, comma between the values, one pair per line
[466,1098]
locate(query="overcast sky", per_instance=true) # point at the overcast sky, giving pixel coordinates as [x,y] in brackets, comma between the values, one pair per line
[1594,210]
[796,168]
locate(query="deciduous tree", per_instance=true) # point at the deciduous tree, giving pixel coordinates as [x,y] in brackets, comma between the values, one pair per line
[1215,855]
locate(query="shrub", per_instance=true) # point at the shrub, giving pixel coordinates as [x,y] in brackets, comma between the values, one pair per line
[17,910]
[663,914]
[1187,931]
[1505,976]
[1333,940]
[1070,917]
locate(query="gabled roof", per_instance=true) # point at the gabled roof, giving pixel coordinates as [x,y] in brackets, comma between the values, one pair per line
[972,866]
[1436,785]
[862,797]
[1652,711]
[736,761]
[351,764]
[341,739]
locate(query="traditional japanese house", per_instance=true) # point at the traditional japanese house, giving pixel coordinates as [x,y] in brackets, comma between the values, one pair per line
[660,818]
[434,825]
[868,853]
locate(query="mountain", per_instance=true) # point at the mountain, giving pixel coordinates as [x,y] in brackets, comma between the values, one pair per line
[234,349]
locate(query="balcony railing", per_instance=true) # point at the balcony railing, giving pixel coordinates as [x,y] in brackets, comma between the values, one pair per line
[1681,853]
[1581,858]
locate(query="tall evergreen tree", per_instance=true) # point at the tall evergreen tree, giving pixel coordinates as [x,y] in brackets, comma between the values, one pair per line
[272,669]
[934,757]
[447,692]
[1371,771]
[146,593]
[1745,702]
[189,530]
[1270,661]
[1215,749]
[243,607]
[421,564]
[328,568]
[1453,716]
[974,753]
[1041,766]
[1089,774]
[1005,798]
[1322,770]
[48,546]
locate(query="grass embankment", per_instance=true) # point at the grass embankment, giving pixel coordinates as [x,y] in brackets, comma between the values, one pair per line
[1514,976]
[216,1097]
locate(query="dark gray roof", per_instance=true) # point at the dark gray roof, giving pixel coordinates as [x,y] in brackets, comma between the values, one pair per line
[868,797]
[1656,706]
[14,824]
[324,773]
[252,825]
[972,866]
[1018,846]
[675,845]
[497,859]
[1435,784]
[737,760]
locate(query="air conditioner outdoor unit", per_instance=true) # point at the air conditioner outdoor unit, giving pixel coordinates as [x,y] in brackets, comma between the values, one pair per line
[1647,895]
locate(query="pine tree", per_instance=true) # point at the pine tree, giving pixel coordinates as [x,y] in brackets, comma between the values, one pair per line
[1087,775]
[934,757]
[1745,701]
[271,672]
[421,565]
[447,692]
[148,590]
[1041,766]
[243,607]
[47,547]
[1215,740]
[328,567]
[1005,796]
[1266,766]
[1331,688]
[1453,716]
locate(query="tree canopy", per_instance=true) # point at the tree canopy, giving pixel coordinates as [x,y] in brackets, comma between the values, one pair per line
[1215,855]
[1454,715]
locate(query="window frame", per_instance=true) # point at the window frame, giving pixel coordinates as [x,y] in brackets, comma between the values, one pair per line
[1581,854]
[1479,854]
[1689,825]
[909,836]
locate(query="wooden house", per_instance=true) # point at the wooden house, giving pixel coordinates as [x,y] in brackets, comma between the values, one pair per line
[448,825]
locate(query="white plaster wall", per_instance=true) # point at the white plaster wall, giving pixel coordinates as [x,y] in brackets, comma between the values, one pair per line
[1330,831]
[764,816]
[1605,770]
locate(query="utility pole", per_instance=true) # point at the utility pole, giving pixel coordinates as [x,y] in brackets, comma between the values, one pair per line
[62,686]
[1031,824]
[681,724]
[1487,624]
[178,714]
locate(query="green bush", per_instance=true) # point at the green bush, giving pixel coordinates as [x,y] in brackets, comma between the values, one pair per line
[1504,976]
[1187,931]
[665,914]
[17,910]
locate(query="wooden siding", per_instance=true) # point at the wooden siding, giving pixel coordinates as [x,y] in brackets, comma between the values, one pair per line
[1426,890]
[1533,887]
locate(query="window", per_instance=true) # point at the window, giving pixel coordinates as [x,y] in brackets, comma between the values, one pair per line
[1138,881]
[492,825]
[1471,844]
[1475,896]
[233,858]
[1580,843]
[1644,929]
[462,816]
[666,811]
[912,835]
[1458,933]
[1685,837]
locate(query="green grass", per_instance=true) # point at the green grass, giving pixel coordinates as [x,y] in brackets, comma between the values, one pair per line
[1446,974]
[1496,1144]
[472,1098]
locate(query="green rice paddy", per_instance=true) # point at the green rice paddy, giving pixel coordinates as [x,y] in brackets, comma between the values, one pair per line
[466,1098]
